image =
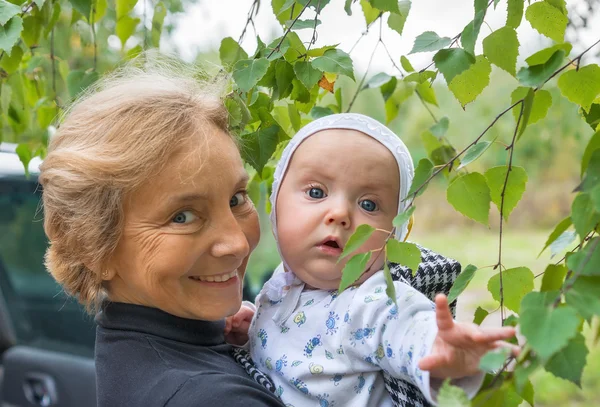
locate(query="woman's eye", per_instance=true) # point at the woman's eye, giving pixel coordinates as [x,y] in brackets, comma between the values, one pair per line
[184,217]
[368,205]
[238,199]
[316,193]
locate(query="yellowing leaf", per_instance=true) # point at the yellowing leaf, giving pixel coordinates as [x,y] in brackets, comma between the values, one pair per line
[516,283]
[515,186]
[470,83]
[469,194]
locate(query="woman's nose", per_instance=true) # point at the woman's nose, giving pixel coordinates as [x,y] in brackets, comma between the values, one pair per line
[231,240]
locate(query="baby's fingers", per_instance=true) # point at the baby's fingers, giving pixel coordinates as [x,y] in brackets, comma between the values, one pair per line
[490,335]
[228,324]
[514,349]
[442,313]
[431,362]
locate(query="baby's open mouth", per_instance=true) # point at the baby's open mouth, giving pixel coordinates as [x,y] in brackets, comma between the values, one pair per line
[332,243]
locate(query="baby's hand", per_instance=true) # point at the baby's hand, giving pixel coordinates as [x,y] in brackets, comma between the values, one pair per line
[458,347]
[236,326]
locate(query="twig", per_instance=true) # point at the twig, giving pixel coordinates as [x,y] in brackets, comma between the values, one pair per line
[287,31]
[511,147]
[92,17]
[364,33]
[250,16]
[144,24]
[576,59]
[358,90]
[53,61]
[313,39]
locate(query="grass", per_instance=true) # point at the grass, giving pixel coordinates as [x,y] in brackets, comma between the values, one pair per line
[480,247]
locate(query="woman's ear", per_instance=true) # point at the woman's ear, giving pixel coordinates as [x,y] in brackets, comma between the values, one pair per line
[411,221]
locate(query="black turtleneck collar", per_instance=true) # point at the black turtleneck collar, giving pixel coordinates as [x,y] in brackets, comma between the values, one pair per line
[152,321]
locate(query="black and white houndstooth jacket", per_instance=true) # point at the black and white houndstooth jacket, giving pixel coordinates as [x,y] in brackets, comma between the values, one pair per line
[436,274]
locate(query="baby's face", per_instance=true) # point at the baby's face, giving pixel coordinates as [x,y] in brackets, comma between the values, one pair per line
[336,181]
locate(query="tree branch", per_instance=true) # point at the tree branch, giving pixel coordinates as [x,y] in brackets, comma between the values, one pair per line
[288,30]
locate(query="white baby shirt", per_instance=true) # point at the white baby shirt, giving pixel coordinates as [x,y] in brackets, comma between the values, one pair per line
[326,349]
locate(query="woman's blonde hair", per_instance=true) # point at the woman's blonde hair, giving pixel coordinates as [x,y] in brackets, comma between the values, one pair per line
[110,141]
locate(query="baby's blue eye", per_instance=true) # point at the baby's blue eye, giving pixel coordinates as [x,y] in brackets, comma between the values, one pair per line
[237,199]
[368,205]
[316,193]
[184,217]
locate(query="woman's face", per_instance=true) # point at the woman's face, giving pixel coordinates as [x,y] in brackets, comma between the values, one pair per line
[188,233]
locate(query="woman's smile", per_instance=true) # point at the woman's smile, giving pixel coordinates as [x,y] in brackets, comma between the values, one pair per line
[217,278]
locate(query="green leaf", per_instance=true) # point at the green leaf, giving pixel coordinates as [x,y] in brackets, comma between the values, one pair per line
[527,393]
[469,194]
[440,128]
[387,89]
[354,269]
[592,117]
[405,254]
[569,363]
[406,64]
[494,360]
[11,62]
[429,41]
[452,396]
[307,74]
[584,216]
[317,112]
[302,24]
[420,77]
[461,282]
[470,83]
[284,76]
[9,34]
[443,155]
[585,264]
[370,12]
[390,288]
[422,173]
[385,5]
[335,61]
[515,186]
[591,178]
[296,47]
[470,33]
[480,315]
[53,19]
[502,396]
[348,7]
[502,48]
[78,81]
[584,296]
[558,230]
[230,52]
[397,19]
[593,145]
[516,282]
[25,155]
[453,61]
[158,18]
[276,49]
[378,80]
[537,75]
[541,57]
[427,93]
[546,328]
[125,28]
[8,11]
[83,6]
[561,243]
[259,146]
[473,153]
[403,217]
[526,106]
[248,72]
[515,13]
[553,278]
[547,20]
[281,9]
[542,100]
[582,86]
[357,239]
[295,118]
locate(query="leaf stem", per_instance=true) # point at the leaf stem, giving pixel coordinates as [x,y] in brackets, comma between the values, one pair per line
[287,31]
[360,85]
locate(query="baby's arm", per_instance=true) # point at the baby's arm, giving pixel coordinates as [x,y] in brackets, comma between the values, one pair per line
[237,326]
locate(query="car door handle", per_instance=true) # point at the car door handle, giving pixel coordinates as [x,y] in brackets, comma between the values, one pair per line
[40,390]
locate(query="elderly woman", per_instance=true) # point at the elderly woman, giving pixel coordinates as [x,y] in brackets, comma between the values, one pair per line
[149,223]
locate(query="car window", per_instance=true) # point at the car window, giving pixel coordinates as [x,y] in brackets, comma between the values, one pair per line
[43,316]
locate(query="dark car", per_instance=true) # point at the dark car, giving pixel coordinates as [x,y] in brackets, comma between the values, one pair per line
[46,338]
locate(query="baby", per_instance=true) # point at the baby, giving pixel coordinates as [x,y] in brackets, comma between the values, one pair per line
[322,347]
